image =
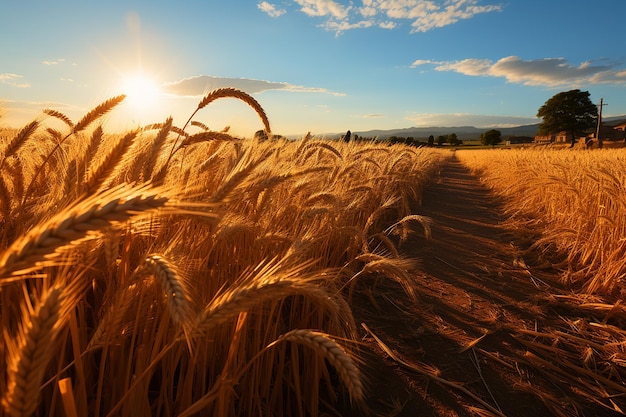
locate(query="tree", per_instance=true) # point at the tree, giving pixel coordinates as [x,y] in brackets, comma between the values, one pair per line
[569,111]
[431,140]
[441,140]
[346,138]
[453,139]
[491,137]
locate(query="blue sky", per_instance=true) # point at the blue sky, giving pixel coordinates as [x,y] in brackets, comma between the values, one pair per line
[314,65]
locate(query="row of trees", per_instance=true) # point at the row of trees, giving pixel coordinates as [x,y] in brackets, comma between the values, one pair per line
[569,111]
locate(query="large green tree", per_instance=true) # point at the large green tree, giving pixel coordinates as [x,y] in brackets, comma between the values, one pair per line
[491,137]
[570,111]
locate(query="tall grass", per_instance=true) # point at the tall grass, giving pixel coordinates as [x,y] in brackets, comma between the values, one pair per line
[162,272]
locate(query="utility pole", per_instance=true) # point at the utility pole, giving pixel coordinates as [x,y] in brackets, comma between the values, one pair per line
[599,122]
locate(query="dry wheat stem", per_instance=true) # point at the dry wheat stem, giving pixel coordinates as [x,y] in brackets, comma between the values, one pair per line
[74,223]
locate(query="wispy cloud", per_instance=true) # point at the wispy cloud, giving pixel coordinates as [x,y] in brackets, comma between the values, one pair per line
[324,8]
[551,72]
[202,84]
[271,9]
[422,15]
[467,119]
[13,80]
[53,61]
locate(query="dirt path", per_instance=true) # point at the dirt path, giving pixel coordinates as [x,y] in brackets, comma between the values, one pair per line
[472,324]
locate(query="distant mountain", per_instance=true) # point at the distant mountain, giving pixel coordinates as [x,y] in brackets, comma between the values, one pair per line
[462,132]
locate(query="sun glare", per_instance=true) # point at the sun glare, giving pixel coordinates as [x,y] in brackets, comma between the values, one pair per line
[142,94]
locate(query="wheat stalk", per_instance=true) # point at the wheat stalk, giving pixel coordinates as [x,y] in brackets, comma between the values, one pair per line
[75,223]
[82,124]
[271,280]
[94,143]
[241,298]
[212,96]
[238,94]
[173,286]
[58,115]
[110,323]
[99,174]
[329,349]
[18,140]
[28,360]
[155,148]
[5,201]
[200,125]
[97,112]
[206,136]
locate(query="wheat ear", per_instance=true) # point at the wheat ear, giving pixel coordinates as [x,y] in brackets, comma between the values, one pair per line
[99,174]
[241,298]
[97,112]
[270,281]
[328,348]
[110,323]
[173,286]
[18,140]
[217,94]
[200,125]
[155,149]
[75,223]
[5,200]
[58,115]
[238,94]
[206,136]
[82,124]
[29,359]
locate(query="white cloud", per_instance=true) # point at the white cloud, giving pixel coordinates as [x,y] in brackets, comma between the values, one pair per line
[12,80]
[341,26]
[323,8]
[551,72]
[271,9]
[419,62]
[202,84]
[387,25]
[53,61]
[422,15]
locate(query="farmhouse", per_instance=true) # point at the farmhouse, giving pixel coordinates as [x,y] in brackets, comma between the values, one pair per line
[619,125]
[561,137]
[608,131]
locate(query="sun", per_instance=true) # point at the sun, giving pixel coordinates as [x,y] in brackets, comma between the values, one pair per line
[142,94]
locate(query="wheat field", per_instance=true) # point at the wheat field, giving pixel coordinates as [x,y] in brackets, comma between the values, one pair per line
[169,270]
[571,202]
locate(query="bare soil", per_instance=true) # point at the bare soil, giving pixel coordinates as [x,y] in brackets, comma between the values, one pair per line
[470,344]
